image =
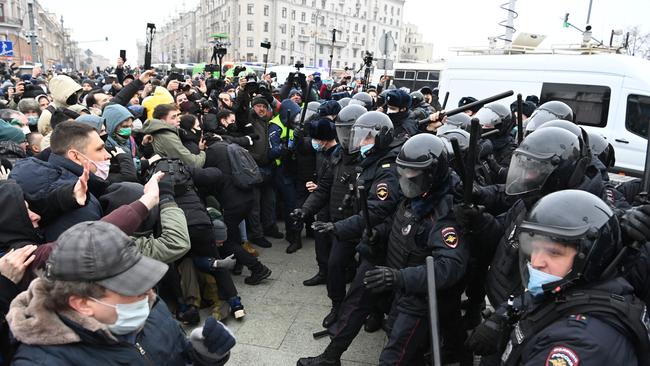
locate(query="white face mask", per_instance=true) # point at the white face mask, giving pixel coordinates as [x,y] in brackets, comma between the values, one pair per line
[25,130]
[130,317]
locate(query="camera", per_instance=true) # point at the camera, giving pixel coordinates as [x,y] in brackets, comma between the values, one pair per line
[299,65]
[266,45]
[368,58]
[211,68]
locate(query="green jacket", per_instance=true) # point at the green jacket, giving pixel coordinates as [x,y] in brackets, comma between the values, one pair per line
[167,143]
[174,241]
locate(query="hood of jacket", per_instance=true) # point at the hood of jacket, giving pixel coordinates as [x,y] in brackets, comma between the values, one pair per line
[160,96]
[114,114]
[32,323]
[91,120]
[17,229]
[153,126]
[62,87]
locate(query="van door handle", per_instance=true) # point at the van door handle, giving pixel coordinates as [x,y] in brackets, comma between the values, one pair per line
[623,141]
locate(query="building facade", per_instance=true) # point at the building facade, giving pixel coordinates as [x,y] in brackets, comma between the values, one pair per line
[299,30]
[412,47]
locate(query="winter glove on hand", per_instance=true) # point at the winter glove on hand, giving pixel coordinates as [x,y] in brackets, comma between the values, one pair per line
[213,341]
[635,224]
[489,337]
[226,263]
[382,278]
[324,227]
[468,216]
[366,248]
[298,215]
[166,188]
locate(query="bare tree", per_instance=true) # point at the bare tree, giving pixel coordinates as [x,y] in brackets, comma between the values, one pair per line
[638,43]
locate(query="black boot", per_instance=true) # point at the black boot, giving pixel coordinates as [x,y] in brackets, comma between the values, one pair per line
[258,274]
[330,357]
[332,316]
[373,322]
[261,242]
[273,232]
[318,279]
[295,241]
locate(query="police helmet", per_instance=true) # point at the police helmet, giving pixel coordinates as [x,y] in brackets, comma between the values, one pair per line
[366,99]
[343,102]
[371,128]
[416,98]
[312,111]
[344,121]
[569,219]
[495,116]
[546,112]
[461,136]
[549,160]
[398,98]
[422,165]
[602,149]
[459,120]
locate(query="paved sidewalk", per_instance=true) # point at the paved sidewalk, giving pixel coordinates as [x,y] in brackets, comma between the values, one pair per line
[282,314]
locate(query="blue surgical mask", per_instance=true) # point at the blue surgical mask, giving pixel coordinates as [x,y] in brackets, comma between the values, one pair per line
[130,317]
[32,120]
[316,145]
[538,278]
[363,150]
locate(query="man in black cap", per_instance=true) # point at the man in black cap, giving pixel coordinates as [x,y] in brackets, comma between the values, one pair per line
[95,305]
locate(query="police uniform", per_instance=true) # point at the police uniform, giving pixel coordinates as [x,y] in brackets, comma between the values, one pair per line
[412,239]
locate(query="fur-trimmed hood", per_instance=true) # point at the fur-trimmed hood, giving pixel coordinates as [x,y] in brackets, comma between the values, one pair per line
[32,323]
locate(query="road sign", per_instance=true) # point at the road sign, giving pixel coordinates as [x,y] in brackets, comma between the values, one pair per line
[6,48]
[384,64]
[386,44]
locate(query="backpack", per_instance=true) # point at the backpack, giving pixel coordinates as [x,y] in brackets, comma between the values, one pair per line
[180,174]
[245,171]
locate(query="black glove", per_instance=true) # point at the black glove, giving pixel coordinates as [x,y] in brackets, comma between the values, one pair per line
[298,215]
[490,336]
[324,227]
[382,278]
[254,136]
[166,189]
[635,224]
[468,216]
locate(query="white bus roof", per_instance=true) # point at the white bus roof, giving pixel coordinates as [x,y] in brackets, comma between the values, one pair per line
[419,66]
[612,64]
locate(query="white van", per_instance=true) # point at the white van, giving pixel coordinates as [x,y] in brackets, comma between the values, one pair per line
[609,93]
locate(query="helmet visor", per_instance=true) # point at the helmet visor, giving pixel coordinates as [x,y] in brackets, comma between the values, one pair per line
[413,182]
[343,134]
[554,254]
[527,173]
[361,136]
[488,118]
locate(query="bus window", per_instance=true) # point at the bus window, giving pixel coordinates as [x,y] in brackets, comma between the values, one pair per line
[637,114]
[423,75]
[434,75]
[590,103]
[399,74]
[409,75]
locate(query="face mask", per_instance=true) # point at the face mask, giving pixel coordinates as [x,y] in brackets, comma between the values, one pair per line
[316,145]
[537,279]
[32,120]
[130,317]
[398,117]
[124,132]
[363,150]
[102,167]
[25,130]
[231,128]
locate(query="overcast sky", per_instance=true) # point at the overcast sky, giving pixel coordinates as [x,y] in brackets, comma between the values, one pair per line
[445,23]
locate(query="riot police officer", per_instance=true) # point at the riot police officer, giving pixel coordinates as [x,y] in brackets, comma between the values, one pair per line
[575,311]
[496,124]
[335,193]
[420,108]
[372,137]
[366,99]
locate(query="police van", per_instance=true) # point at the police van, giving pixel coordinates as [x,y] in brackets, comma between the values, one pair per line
[609,93]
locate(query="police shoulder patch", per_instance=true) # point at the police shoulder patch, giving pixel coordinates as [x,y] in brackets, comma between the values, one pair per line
[562,356]
[382,191]
[450,237]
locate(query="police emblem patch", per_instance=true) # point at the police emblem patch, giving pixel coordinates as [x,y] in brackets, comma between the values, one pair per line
[562,356]
[382,191]
[449,237]
[406,230]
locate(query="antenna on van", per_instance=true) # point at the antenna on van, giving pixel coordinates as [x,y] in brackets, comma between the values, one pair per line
[509,23]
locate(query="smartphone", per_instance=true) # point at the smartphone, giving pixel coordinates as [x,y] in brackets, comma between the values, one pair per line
[123,55]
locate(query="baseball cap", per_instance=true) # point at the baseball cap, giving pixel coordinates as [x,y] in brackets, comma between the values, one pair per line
[99,252]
